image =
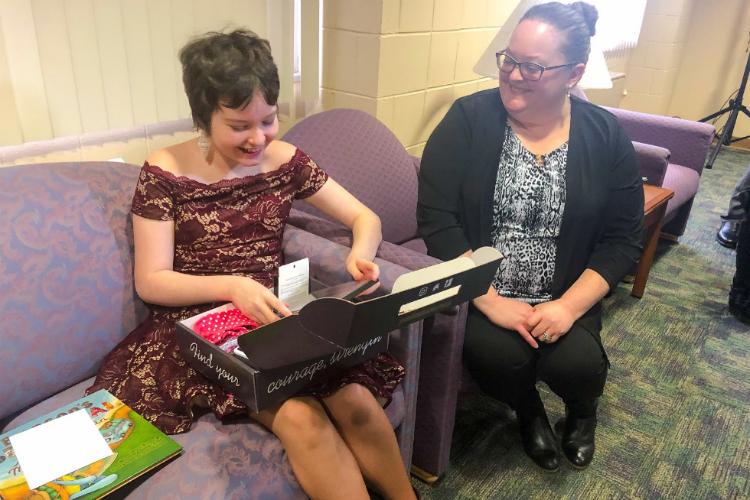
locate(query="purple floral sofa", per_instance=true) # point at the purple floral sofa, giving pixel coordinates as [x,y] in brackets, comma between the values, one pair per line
[67,298]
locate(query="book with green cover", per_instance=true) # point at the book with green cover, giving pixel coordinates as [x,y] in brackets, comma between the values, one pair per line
[137,447]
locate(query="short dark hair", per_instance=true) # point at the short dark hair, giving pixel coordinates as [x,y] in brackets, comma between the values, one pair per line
[227,69]
[577,22]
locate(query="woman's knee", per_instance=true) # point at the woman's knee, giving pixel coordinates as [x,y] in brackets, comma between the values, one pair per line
[304,420]
[585,368]
[489,348]
[579,366]
[353,406]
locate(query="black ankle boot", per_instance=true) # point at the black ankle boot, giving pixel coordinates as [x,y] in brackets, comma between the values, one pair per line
[539,441]
[739,301]
[727,235]
[578,440]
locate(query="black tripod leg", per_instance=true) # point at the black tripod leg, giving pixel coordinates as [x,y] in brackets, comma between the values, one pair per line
[718,113]
[736,106]
[724,135]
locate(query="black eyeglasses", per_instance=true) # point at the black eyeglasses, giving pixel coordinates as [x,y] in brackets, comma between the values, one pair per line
[529,70]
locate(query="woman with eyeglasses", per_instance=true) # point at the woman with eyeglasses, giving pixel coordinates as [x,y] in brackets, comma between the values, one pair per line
[552,182]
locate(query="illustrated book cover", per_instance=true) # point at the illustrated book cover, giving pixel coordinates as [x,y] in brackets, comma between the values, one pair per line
[136,444]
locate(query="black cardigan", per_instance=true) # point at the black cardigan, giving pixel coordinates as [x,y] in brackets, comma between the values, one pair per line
[603,217]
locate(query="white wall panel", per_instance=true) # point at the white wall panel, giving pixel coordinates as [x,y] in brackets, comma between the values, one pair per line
[113,58]
[183,27]
[310,50]
[280,13]
[84,49]
[225,15]
[10,127]
[25,69]
[251,14]
[140,61]
[204,15]
[57,67]
[163,54]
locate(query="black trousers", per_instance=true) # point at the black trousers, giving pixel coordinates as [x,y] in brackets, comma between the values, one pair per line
[736,212]
[506,367]
[741,279]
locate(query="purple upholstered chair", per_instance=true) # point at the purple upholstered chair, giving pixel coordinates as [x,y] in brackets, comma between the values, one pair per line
[67,298]
[366,158]
[686,143]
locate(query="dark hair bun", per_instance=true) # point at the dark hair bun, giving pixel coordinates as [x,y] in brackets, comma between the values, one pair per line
[589,13]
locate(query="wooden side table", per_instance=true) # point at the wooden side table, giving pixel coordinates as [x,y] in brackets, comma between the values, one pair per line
[654,209]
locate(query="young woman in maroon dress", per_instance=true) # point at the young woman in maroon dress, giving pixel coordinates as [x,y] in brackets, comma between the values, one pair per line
[208,219]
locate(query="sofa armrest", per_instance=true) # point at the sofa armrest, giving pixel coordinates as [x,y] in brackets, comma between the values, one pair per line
[327,265]
[342,235]
[332,231]
[328,258]
[688,141]
[652,162]
[440,371]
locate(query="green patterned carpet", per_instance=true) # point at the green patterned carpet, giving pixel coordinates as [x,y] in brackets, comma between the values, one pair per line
[674,422]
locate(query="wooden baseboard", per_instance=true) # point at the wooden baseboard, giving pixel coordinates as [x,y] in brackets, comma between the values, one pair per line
[424,476]
[743,144]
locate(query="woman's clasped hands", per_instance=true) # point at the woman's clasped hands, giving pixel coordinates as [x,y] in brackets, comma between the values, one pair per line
[545,322]
[549,321]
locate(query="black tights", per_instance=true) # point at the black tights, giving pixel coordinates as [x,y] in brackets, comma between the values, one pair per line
[507,368]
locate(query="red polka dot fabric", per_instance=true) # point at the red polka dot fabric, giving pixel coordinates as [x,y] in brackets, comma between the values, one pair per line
[222,326]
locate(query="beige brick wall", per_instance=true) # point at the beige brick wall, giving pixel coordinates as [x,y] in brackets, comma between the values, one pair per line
[690,58]
[406,61]
[651,75]
[713,62]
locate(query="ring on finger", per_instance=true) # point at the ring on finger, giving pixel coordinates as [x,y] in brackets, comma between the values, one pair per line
[546,337]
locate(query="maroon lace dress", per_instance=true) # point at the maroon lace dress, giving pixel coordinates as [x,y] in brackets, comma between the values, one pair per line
[234,226]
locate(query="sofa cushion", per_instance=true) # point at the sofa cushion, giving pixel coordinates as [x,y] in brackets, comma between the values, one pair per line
[66,276]
[684,182]
[417,244]
[236,459]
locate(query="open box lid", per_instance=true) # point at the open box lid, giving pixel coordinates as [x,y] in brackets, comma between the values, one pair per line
[329,324]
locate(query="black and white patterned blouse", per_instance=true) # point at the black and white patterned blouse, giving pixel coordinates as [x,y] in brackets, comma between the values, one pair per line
[528,208]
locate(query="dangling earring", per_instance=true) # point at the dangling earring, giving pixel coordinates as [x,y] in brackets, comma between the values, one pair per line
[204,143]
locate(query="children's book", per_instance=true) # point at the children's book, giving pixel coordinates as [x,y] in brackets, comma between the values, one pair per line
[137,447]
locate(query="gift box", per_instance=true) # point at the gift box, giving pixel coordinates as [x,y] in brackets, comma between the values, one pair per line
[330,334]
